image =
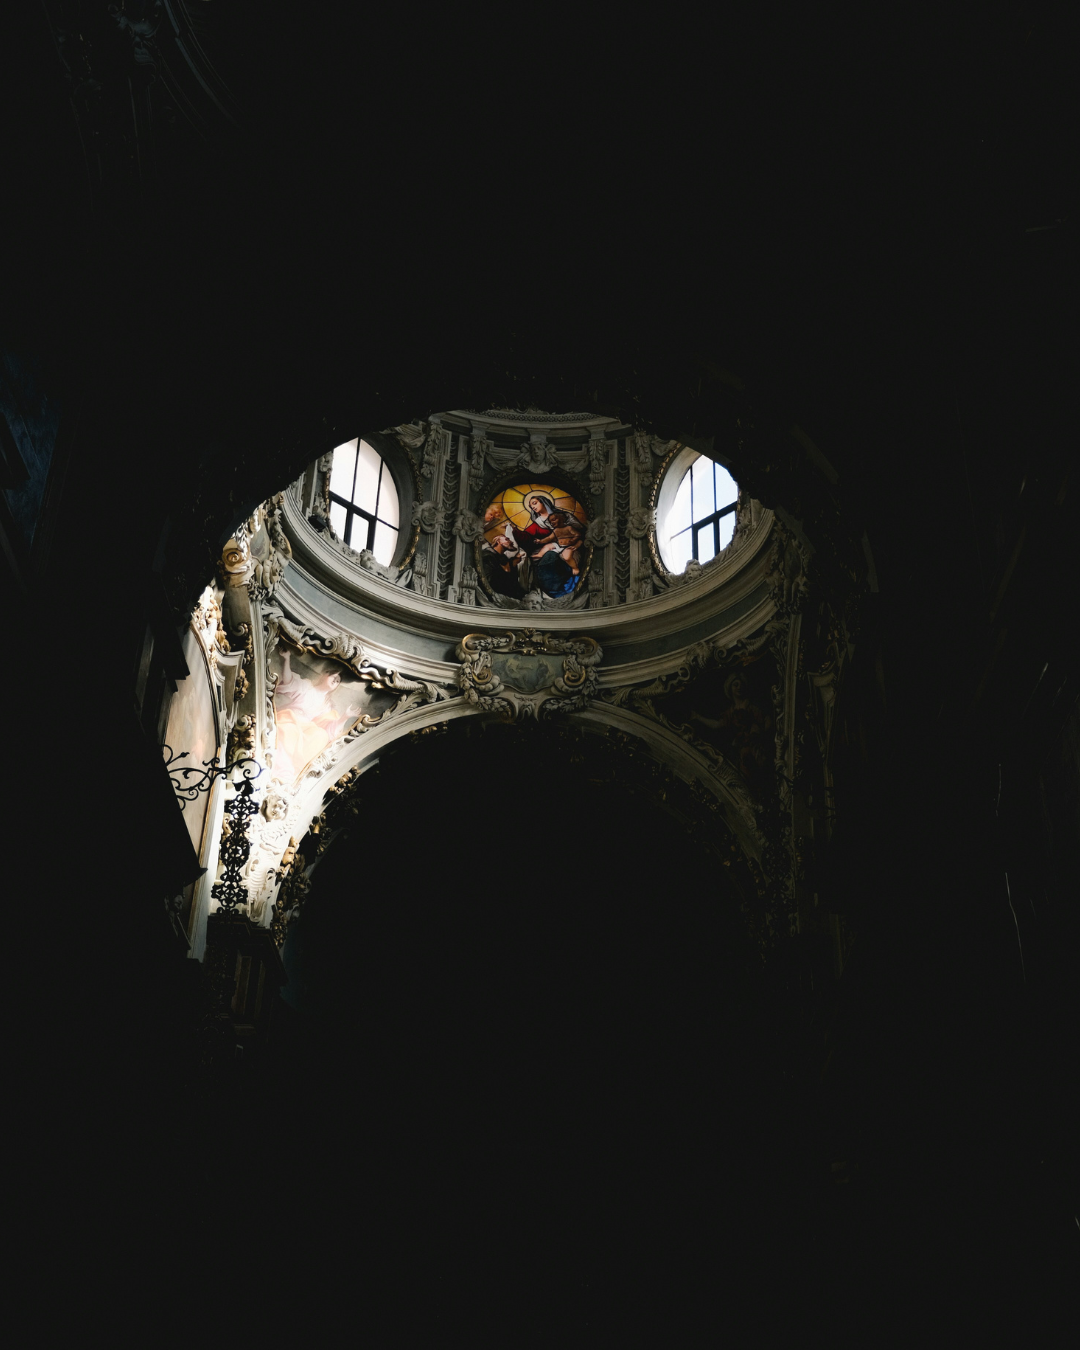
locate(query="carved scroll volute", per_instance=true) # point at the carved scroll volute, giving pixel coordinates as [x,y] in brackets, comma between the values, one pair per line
[527,673]
[234,566]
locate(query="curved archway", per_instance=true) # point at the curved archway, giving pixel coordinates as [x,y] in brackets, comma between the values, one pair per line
[370,623]
[521,1002]
[624,748]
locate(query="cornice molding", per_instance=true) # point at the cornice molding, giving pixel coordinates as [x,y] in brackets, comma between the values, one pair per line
[737,573]
[306,609]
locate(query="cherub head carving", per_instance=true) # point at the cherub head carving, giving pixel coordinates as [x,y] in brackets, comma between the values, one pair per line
[275,807]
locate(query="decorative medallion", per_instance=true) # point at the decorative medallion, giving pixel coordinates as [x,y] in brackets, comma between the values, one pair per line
[521,673]
[534,542]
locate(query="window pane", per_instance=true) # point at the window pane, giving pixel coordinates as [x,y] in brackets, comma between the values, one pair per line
[367,477]
[341,474]
[706,548]
[727,529]
[337,519]
[679,515]
[701,472]
[388,502]
[727,490]
[385,543]
[679,552]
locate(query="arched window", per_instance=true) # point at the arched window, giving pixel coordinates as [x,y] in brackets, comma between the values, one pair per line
[364,501]
[696,515]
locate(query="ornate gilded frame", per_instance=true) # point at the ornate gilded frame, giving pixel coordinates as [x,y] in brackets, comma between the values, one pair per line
[493,690]
[558,478]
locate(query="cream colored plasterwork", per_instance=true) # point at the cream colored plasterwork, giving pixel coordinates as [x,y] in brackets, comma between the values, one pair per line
[325,563]
[263,600]
[280,815]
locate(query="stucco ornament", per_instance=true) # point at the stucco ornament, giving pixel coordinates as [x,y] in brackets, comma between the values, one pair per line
[367,560]
[341,646]
[598,465]
[645,447]
[645,586]
[537,456]
[468,526]
[271,552]
[481,448]
[420,573]
[428,516]
[433,448]
[241,743]
[207,623]
[269,833]
[528,673]
[603,530]
[274,806]
[411,437]
[639,521]
[234,565]
[788,570]
[535,600]
[691,572]
[467,591]
[319,517]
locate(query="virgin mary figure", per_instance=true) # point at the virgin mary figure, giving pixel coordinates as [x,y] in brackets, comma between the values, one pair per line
[551,541]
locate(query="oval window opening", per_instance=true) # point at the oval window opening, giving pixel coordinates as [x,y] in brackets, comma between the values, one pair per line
[364,501]
[699,519]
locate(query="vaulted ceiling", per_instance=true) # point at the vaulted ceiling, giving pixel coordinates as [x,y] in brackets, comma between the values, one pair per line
[716,228]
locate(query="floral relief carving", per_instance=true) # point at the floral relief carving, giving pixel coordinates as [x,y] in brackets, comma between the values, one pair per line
[645,447]
[599,455]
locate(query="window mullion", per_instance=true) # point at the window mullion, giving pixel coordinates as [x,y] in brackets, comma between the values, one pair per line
[355,464]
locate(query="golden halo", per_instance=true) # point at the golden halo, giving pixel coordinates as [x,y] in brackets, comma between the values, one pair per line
[510,505]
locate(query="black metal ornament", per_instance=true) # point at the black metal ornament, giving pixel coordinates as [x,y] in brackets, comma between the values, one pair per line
[230,892]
